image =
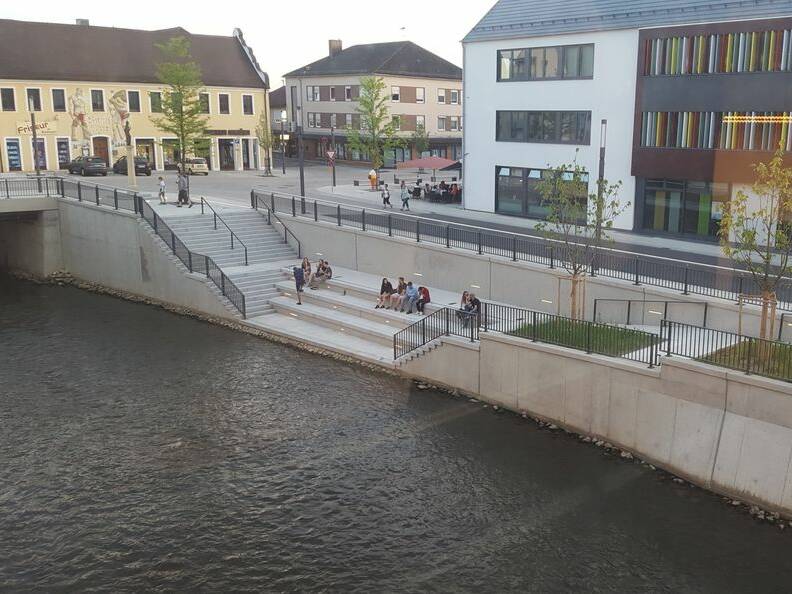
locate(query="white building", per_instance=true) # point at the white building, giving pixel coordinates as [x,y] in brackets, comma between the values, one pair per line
[541,76]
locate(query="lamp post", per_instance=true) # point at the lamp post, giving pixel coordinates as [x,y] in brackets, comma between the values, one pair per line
[31,108]
[600,207]
[333,149]
[300,148]
[283,140]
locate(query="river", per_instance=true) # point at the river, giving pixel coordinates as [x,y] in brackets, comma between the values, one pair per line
[141,450]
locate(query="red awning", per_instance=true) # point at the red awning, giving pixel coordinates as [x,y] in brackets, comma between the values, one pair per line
[425,163]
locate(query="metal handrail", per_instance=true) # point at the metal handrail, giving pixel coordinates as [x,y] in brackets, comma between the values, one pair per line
[256,202]
[217,217]
[665,303]
[444,322]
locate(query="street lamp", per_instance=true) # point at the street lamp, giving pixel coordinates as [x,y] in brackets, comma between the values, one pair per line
[283,140]
[333,150]
[599,211]
[31,108]
[300,148]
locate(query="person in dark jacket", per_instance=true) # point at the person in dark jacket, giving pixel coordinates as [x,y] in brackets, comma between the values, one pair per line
[299,282]
[386,290]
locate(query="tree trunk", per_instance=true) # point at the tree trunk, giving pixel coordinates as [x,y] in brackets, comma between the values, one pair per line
[573,297]
[767,321]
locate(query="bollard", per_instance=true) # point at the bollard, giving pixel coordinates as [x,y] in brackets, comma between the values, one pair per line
[79,192]
[115,198]
[97,195]
[316,213]
[338,213]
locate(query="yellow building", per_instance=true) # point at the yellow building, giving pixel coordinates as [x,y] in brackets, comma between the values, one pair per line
[85,83]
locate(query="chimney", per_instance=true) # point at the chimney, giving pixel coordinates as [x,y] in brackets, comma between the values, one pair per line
[335,46]
[83,22]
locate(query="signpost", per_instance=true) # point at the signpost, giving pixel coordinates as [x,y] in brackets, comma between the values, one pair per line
[331,153]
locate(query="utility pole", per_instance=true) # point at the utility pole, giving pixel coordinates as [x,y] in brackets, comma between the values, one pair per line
[600,207]
[283,141]
[31,107]
[300,151]
[333,149]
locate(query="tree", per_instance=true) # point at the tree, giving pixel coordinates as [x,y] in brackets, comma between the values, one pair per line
[377,132]
[182,112]
[755,235]
[420,140]
[266,139]
[572,217]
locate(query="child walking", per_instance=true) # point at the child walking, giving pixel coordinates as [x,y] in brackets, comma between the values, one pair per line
[162,198]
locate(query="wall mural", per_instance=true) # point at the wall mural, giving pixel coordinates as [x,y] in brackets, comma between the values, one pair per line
[84,125]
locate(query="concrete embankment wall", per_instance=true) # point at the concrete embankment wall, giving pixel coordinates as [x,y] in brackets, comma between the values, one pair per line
[722,430]
[30,241]
[498,279]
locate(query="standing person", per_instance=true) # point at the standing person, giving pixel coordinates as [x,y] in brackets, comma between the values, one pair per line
[373,180]
[405,197]
[386,290]
[299,282]
[423,299]
[162,198]
[411,297]
[183,184]
[386,197]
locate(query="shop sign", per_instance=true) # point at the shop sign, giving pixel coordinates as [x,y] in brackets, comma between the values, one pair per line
[42,127]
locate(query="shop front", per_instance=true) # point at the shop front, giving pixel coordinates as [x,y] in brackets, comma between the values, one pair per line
[681,207]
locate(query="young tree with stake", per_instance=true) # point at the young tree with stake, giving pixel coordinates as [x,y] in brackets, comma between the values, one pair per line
[377,132]
[266,140]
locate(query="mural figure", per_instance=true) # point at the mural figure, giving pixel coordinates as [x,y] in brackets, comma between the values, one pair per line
[79,126]
[120,114]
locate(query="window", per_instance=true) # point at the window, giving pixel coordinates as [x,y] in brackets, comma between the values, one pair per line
[420,95]
[347,93]
[537,63]
[441,96]
[155,99]
[247,104]
[7,99]
[557,127]
[395,94]
[58,100]
[312,120]
[517,193]
[454,97]
[454,123]
[97,99]
[441,123]
[420,122]
[332,93]
[396,121]
[34,99]
[223,103]
[203,99]
[133,101]
[312,93]
[14,154]
[349,120]
[689,207]
[333,120]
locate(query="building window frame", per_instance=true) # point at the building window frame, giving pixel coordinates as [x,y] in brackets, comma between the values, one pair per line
[52,98]
[129,103]
[333,120]
[549,124]
[441,96]
[348,120]
[13,99]
[420,95]
[454,123]
[252,104]
[18,141]
[526,76]
[420,121]
[58,140]
[91,94]
[152,108]
[396,94]
[220,103]
[528,178]
[206,107]
[396,123]
[40,99]
[332,93]
[347,92]
[441,123]
[454,97]
[312,119]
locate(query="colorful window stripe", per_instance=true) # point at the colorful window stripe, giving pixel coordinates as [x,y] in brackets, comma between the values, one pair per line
[757,51]
[733,130]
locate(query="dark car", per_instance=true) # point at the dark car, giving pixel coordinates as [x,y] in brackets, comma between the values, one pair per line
[88,166]
[142,166]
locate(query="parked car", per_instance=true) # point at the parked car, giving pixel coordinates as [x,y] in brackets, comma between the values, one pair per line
[197,165]
[142,166]
[88,166]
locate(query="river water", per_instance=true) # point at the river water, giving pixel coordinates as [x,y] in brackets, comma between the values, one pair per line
[141,450]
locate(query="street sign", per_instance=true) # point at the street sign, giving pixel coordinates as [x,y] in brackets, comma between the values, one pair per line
[331,155]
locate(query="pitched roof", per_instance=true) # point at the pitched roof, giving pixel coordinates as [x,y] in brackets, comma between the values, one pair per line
[277,98]
[399,58]
[531,18]
[107,54]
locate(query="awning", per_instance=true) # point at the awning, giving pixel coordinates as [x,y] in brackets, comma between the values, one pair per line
[426,163]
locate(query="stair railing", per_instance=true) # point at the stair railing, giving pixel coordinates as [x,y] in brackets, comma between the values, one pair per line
[217,217]
[257,201]
[444,322]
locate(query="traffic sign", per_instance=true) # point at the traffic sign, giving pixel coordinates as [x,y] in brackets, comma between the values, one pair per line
[331,155]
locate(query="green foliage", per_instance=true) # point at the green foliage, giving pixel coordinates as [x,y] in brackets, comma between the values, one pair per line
[420,140]
[757,238]
[377,132]
[181,114]
[607,340]
[264,133]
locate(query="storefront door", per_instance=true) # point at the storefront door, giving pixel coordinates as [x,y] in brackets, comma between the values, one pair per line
[42,152]
[101,149]
[63,153]
[226,149]
[245,153]
[145,148]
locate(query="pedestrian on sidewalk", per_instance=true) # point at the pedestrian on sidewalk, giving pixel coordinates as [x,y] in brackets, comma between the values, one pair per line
[405,197]
[299,282]
[386,197]
[183,184]
[372,175]
[162,198]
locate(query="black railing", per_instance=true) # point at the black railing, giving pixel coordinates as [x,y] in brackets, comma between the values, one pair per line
[29,187]
[750,355]
[216,218]
[634,311]
[591,337]
[684,277]
[258,200]
[194,262]
[443,322]
[115,198]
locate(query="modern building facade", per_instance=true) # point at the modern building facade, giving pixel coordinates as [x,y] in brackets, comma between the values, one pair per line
[685,95]
[424,90]
[85,83]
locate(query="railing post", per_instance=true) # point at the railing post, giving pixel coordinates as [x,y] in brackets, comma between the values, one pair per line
[246,256]
[514,248]
[222,283]
[669,331]
[448,236]
[189,260]
[447,321]
[173,242]
[687,271]
[418,230]
[79,191]
[232,240]
[748,357]
[214,217]
[338,214]
[202,205]
[115,198]
[594,319]
[294,207]
[155,222]
[740,286]
[390,226]
[97,195]
[533,326]
[8,190]
[652,351]
[588,337]
[135,203]
[423,331]
[394,347]
[46,187]
[302,205]
[486,317]
[316,213]
[272,201]
[206,265]
[552,257]
[637,274]
[472,327]
[253,200]
[363,219]
[479,242]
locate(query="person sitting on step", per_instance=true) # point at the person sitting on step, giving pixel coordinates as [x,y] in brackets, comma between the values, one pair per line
[423,299]
[398,295]
[386,290]
[411,297]
[323,274]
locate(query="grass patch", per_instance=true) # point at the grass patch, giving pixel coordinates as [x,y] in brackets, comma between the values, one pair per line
[603,339]
[770,359]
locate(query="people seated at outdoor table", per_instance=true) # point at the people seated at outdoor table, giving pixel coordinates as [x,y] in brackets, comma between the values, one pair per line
[427,191]
[454,191]
[323,274]
[410,299]
[423,299]
[386,290]
[398,295]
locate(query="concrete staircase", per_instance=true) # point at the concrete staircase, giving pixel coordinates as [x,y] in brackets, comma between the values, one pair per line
[267,252]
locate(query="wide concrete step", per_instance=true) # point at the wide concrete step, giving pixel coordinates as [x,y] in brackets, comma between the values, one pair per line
[308,332]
